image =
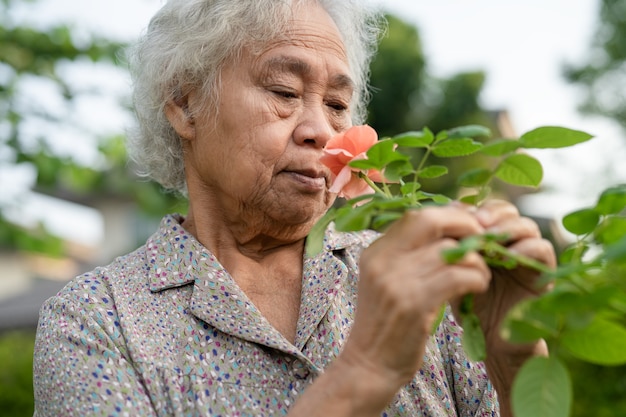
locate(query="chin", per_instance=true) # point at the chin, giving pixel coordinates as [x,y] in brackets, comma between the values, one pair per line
[301,215]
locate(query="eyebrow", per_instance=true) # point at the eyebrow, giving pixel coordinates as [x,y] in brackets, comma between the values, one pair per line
[303,69]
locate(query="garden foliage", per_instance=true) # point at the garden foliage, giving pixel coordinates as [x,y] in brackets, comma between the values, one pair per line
[583,317]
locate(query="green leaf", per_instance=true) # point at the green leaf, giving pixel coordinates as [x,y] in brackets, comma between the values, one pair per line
[471,242]
[381,221]
[602,342]
[383,152]
[397,170]
[523,331]
[438,198]
[619,304]
[439,319]
[469,131]
[433,171]
[500,147]
[573,254]
[474,177]
[530,320]
[589,301]
[395,203]
[453,255]
[520,169]
[456,147]
[476,199]
[616,252]
[315,238]
[611,230]
[612,201]
[581,221]
[553,137]
[440,136]
[351,219]
[498,261]
[414,139]
[410,188]
[364,164]
[473,338]
[542,388]
[471,199]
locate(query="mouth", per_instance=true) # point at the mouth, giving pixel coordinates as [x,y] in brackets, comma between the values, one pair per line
[312,179]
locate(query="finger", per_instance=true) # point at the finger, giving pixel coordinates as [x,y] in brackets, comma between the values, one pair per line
[430,258]
[538,249]
[457,280]
[415,263]
[418,227]
[516,228]
[422,276]
[493,212]
[468,275]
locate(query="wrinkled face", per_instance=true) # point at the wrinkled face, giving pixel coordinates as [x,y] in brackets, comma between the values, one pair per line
[277,109]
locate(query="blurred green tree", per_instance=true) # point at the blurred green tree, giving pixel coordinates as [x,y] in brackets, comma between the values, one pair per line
[16,381]
[405,96]
[604,74]
[30,55]
[397,77]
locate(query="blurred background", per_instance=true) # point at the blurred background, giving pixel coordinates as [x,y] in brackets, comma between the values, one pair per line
[69,199]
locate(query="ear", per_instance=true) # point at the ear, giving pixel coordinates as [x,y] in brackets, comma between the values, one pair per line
[180,117]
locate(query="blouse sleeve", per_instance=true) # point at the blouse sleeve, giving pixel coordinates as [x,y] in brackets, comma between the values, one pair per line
[78,370]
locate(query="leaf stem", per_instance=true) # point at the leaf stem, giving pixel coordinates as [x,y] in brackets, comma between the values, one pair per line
[372,184]
[414,197]
[497,248]
[422,163]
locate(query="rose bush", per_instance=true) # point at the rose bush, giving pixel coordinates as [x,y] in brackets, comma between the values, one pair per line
[583,317]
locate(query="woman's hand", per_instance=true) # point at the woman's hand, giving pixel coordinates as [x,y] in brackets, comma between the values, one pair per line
[403,283]
[507,288]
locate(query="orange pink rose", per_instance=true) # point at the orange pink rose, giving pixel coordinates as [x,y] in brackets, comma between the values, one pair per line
[340,151]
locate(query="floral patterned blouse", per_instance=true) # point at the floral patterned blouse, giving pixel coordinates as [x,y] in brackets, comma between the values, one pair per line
[165,331]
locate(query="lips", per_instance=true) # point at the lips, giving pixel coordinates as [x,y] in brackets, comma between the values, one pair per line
[309,177]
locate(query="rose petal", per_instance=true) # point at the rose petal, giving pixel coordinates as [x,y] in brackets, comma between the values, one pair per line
[356,187]
[355,140]
[340,181]
[345,147]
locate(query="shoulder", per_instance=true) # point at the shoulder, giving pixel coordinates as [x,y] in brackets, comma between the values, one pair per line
[351,241]
[134,273]
[93,287]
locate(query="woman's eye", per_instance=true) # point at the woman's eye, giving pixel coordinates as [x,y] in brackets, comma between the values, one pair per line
[340,107]
[285,94]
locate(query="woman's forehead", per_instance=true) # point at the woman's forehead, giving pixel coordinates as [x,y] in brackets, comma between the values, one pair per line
[285,63]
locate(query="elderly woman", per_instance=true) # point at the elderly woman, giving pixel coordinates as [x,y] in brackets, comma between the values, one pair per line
[221,312]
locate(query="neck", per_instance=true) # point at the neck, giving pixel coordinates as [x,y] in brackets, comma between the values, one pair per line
[235,240]
[268,270]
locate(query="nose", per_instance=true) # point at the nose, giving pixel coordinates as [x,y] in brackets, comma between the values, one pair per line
[314,127]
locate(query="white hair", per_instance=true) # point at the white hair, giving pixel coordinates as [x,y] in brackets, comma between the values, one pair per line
[188,41]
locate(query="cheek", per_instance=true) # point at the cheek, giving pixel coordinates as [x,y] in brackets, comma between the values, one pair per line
[252,141]
[258,157]
[280,109]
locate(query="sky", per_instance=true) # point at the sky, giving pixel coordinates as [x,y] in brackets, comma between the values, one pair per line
[522,46]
